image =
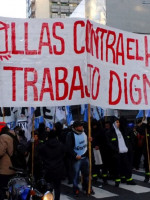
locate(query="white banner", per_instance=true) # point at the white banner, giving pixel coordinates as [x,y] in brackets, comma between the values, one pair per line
[56,62]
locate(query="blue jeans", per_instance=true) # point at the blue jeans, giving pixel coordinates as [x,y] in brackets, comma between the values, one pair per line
[83,166]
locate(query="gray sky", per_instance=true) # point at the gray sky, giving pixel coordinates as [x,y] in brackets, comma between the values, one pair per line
[13,8]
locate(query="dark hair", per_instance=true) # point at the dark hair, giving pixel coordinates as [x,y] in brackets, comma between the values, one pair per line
[115,119]
[139,120]
[58,126]
[51,134]
[41,127]
[17,128]
[36,132]
[108,122]
[94,122]
[4,130]
[21,133]
[77,123]
[41,132]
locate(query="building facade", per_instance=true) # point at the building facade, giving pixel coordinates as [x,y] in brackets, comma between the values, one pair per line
[51,8]
[128,15]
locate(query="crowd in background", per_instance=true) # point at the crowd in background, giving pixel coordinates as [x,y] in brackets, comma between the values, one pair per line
[61,153]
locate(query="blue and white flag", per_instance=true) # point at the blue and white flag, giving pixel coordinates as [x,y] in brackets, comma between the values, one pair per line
[60,113]
[84,111]
[100,111]
[148,113]
[141,113]
[49,124]
[94,113]
[69,117]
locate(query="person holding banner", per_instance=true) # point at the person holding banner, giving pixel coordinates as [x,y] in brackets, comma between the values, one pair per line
[118,148]
[77,148]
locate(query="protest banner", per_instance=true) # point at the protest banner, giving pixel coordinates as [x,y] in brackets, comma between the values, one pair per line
[57,62]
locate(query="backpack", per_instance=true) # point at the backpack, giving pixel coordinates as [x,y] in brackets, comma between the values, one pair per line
[18,157]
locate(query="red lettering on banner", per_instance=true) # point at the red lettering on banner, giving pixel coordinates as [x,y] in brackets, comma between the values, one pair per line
[27,51]
[61,25]
[112,75]
[30,83]
[74,87]
[87,93]
[92,83]
[147,55]
[111,45]
[95,40]
[89,27]
[137,51]
[66,86]
[125,89]
[121,51]
[45,28]
[106,45]
[98,83]
[6,26]
[13,69]
[145,82]
[138,90]
[103,31]
[13,40]
[129,48]
[61,76]
[82,49]
[47,76]
[59,81]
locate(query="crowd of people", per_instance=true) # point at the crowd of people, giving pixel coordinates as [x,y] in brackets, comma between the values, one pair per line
[62,153]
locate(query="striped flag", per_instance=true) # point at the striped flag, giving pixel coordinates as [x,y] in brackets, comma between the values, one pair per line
[69,117]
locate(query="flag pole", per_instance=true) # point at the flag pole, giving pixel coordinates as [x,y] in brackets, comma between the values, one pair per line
[99,117]
[89,148]
[147,145]
[33,118]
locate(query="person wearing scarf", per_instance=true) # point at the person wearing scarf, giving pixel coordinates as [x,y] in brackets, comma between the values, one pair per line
[117,144]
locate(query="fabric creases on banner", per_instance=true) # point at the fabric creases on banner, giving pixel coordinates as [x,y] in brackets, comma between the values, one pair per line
[58,62]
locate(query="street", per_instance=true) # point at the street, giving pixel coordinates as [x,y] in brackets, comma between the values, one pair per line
[110,192]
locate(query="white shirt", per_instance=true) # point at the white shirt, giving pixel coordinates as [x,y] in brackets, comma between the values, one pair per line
[122,146]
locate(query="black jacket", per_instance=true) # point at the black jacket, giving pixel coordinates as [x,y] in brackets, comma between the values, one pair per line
[112,140]
[52,153]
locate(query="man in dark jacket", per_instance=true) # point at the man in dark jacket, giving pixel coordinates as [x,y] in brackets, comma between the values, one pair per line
[118,147]
[52,153]
[77,148]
